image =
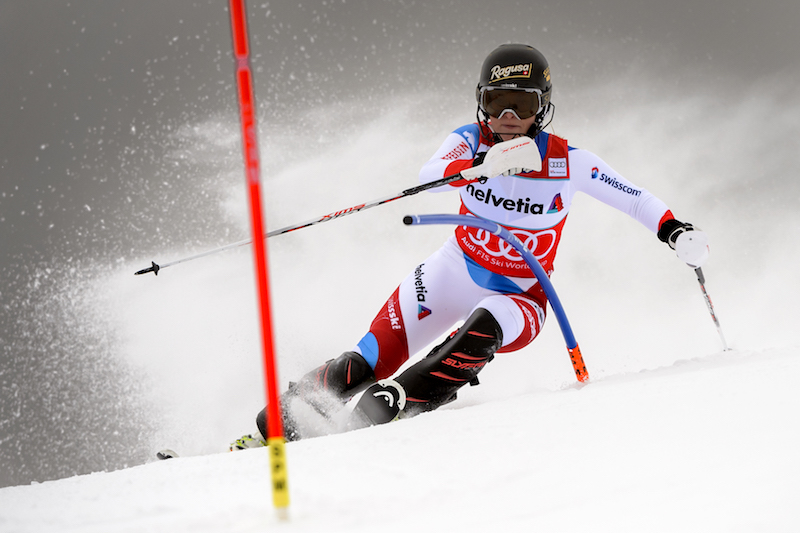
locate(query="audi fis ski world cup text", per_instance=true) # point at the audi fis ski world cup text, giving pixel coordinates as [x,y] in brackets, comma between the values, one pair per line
[501,253]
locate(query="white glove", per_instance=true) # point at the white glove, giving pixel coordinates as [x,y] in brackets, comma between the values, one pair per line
[506,158]
[692,248]
[689,243]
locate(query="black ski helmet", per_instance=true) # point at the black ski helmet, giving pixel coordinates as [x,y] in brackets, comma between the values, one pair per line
[517,66]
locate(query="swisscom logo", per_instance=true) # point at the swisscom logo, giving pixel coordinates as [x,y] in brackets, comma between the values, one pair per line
[627,189]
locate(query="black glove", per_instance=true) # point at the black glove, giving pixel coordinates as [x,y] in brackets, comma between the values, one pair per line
[671,229]
[479,161]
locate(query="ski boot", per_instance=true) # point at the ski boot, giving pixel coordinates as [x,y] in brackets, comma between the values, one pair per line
[254,440]
[307,406]
[435,380]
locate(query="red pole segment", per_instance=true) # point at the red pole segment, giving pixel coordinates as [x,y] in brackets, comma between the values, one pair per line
[247,111]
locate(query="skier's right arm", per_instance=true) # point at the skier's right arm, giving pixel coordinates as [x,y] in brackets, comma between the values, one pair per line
[457,156]
[454,155]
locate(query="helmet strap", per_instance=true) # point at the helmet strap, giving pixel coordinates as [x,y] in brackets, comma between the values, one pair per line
[548,115]
[539,125]
[483,121]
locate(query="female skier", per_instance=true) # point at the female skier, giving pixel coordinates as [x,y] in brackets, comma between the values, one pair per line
[475,276]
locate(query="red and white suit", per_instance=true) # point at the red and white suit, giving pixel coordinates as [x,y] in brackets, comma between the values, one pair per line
[477,269]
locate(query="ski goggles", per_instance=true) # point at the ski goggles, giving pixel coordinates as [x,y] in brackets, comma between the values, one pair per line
[525,103]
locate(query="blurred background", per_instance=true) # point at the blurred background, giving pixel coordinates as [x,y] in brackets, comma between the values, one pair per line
[119,144]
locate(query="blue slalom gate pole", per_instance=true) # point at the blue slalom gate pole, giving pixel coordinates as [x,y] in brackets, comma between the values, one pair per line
[550,291]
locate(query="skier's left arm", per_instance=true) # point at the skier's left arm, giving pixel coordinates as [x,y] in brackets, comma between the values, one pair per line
[592,175]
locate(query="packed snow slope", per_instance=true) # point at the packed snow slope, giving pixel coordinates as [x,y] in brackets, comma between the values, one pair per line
[706,445]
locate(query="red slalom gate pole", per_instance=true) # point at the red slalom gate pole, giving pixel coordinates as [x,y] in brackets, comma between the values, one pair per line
[247,111]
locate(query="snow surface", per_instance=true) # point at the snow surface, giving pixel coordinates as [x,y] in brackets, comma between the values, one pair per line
[704,445]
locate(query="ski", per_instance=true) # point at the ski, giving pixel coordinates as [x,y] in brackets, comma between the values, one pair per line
[166,454]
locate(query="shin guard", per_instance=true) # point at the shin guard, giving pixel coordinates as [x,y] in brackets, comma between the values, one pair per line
[434,381]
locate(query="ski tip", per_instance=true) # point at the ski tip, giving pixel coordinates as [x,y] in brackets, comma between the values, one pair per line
[166,454]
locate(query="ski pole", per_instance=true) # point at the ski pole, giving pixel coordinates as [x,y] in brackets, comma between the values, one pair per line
[463,220]
[702,280]
[154,268]
[521,152]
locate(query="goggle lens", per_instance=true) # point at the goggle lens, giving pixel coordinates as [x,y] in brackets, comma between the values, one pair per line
[525,103]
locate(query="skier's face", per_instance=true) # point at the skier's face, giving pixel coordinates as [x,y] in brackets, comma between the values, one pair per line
[508,125]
